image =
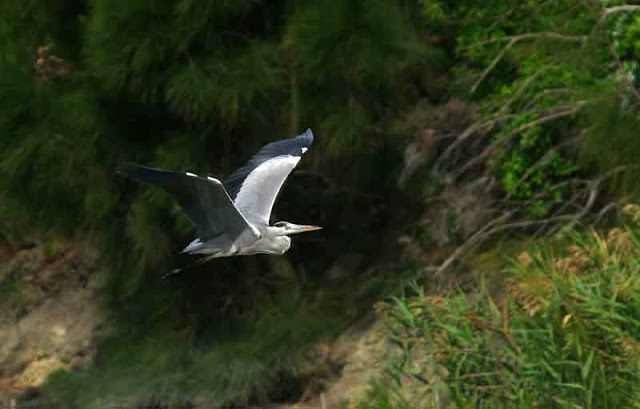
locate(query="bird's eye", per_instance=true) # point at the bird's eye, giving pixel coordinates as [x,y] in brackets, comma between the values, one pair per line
[280,224]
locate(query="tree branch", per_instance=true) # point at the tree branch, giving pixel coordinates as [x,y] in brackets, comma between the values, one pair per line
[549,35]
[543,161]
[623,72]
[520,91]
[619,9]
[466,134]
[547,118]
[495,62]
[498,224]
[511,41]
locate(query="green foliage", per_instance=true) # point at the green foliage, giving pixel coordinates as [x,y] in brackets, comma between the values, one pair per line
[612,144]
[531,166]
[434,11]
[200,85]
[535,72]
[354,62]
[220,87]
[564,333]
[611,141]
[626,40]
[379,396]
[172,83]
[195,86]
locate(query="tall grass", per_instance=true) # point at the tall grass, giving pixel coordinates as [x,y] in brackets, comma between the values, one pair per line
[564,332]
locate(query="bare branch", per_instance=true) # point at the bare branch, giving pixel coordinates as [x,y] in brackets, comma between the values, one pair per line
[499,224]
[614,10]
[478,238]
[543,161]
[484,234]
[520,91]
[571,203]
[512,40]
[495,62]
[539,195]
[619,9]
[547,118]
[528,36]
[545,93]
[623,72]
[593,194]
[610,206]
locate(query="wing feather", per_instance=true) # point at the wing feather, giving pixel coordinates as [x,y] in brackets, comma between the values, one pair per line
[255,186]
[204,200]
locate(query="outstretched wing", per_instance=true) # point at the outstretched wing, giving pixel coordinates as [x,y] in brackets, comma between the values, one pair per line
[255,186]
[204,200]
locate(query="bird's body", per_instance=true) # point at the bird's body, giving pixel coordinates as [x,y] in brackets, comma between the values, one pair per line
[232,218]
[268,243]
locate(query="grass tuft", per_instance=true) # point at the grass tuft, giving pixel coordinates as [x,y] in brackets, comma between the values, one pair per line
[563,332]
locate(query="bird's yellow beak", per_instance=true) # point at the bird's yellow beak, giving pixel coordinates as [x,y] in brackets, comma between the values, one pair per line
[299,228]
[310,228]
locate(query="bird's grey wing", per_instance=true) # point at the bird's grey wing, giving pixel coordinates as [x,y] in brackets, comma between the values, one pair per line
[255,186]
[204,200]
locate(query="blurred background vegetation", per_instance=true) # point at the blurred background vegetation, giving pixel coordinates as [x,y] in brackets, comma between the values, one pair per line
[442,128]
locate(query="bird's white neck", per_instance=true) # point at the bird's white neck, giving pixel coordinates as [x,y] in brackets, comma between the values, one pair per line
[276,231]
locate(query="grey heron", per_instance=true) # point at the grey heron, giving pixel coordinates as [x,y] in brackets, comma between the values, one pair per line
[232,218]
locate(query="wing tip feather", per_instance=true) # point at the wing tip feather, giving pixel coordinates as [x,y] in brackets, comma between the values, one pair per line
[308,134]
[214,181]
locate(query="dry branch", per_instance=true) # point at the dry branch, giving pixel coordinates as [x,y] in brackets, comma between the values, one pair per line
[583,194]
[499,224]
[542,161]
[606,209]
[489,68]
[619,9]
[538,121]
[472,241]
[528,36]
[623,72]
[511,41]
[615,10]
[520,91]
[470,131]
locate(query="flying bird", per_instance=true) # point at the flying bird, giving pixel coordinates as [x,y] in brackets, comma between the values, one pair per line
[232,218]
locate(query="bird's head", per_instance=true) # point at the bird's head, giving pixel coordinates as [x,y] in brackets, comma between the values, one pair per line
[287,229]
